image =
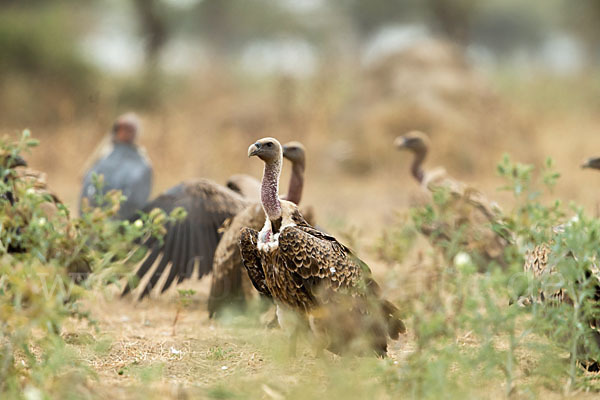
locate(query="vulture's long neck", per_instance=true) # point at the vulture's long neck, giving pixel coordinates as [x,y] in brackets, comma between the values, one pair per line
[269,189]
[296,183]
[417,165]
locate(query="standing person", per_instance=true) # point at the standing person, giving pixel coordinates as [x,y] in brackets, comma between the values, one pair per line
[125,167]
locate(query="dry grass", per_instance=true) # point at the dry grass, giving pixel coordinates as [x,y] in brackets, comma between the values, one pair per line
[136,348]
[356,183]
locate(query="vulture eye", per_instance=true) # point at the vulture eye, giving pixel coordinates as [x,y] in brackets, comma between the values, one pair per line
[268,144]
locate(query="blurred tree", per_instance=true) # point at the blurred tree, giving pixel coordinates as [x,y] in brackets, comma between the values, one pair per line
[504,26]
[43,77]
[369,16]
[453,18]
[583,18]
[228,25]
[154,27]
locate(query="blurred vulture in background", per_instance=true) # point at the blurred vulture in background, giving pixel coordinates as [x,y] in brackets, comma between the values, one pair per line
[311,276]
[228,280]
[246,185]
[472,214]
[124,166]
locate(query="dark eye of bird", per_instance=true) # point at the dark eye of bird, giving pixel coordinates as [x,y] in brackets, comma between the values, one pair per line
[268,144]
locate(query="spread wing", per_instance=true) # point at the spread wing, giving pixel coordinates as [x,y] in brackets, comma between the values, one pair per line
[193,240]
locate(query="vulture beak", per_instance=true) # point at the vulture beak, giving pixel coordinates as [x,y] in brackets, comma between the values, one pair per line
[593,162]
[400,142]
[254,149]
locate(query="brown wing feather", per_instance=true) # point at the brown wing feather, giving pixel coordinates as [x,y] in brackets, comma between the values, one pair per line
[193,240]
[252,260]
[230,285]
[328,269]
[319,259]
[228,279]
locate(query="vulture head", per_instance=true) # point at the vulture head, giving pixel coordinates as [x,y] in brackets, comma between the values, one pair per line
[267,149]
[418,143]
[295,152]
[593,163]
[126,128]
[415,141]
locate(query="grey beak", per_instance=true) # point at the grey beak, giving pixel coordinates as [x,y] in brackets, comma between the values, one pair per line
[400,142]
[253,149]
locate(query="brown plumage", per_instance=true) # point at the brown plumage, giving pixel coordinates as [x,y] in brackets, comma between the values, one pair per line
[229,281]
[245,185]
[538,266]
[472,213]
[190,243]
[310,273]
[537,261]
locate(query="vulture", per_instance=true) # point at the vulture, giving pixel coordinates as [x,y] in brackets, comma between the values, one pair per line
[538,266]
[472,213]
[125,167]
[536,260]
[311,276]
[245,185]
[189,243]
[228,284]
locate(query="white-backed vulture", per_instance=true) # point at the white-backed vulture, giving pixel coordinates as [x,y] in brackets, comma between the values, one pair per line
[228,279]
[310,273]
[473,214]
[124,166]
[191,242]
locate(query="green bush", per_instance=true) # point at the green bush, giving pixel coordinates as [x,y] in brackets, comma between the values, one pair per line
[469,339]
[37,283]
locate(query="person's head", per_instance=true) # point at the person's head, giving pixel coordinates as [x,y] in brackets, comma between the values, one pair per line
[126,128]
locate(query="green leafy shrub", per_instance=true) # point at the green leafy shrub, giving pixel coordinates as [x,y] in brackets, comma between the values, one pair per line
[468,338]
[37,282]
